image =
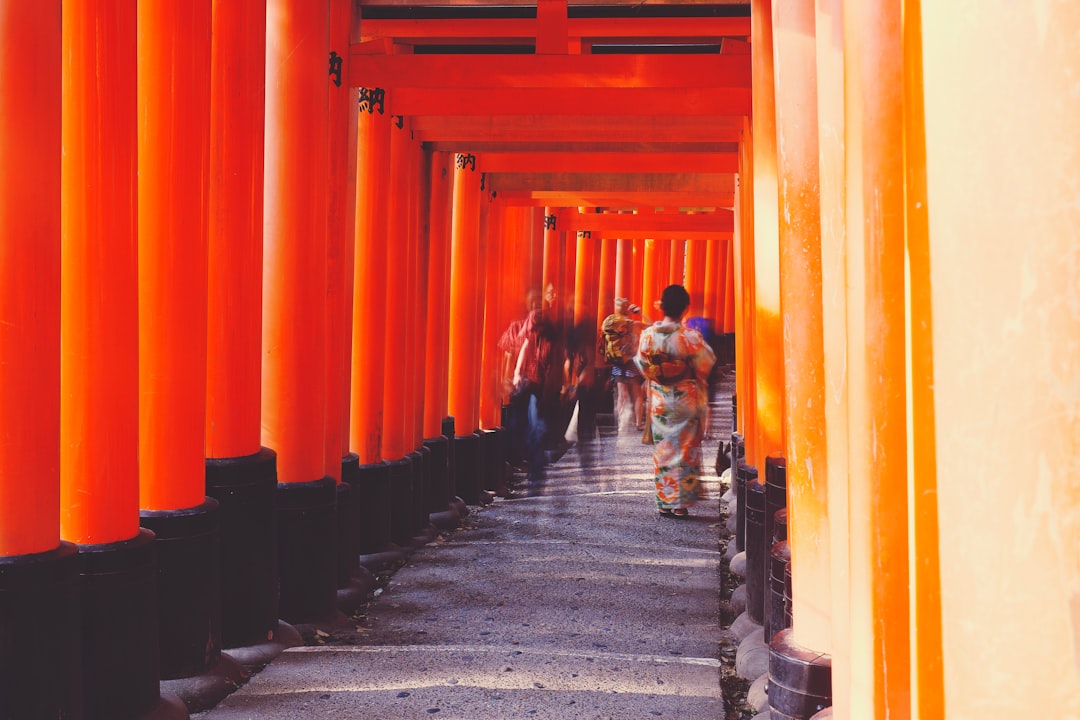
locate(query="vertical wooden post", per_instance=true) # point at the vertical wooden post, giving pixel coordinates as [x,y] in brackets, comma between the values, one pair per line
[695,275]
[40,660]
[624,270]
[800,287]
[830,108]
[711,265]
[464,357]
[725,287]
[294,303]
[677,263]
[240,474]
[99,402]
[174,171]
[880,654]
[743,264]
[494,273]
[768,335]
[369,318]
[637,274]
[395,303]
[436,326]
[1004,331]
[650,269]
[606,292]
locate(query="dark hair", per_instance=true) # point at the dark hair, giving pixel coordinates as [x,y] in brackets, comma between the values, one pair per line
[674,301]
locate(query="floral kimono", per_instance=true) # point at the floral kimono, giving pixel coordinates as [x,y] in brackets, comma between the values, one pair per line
[675,362]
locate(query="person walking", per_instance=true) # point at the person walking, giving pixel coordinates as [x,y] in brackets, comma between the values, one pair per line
[675,362]
[617,344]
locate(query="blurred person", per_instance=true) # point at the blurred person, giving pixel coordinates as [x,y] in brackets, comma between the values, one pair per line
[617,344]
[514,397]
[532,373]
[675,362]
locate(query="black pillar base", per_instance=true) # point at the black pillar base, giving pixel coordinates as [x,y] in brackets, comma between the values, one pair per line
[467,468]
[355,582]
[246,491]
[40,661]
[775,619]
[425,531]
[756,551]
[120,638]
[441,513]
[189,587]
[377,550]
[800,679]
[401,515]
[307,550]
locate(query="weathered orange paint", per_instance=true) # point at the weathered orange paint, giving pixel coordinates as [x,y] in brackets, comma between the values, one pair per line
[513,28]
[174,172]
[395,305]
[493,325]
[551,27]
[339,234]
[294,281]
[99,398]
[743,261]
[881,652]
[30,132]
[418,283]
[768,356]
[800,298]
[832,192]
[927,671]
[369,318]
[585,281]
[234,318]
[438,300]
[464,355]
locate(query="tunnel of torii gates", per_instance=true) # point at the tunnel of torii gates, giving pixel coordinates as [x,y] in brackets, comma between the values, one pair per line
[248,327]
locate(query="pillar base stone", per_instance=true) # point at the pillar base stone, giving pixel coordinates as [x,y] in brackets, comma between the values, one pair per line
[752,657]
[169,707]
[208,688]
[257,656]
[757,696]
[743,626]
[800,679]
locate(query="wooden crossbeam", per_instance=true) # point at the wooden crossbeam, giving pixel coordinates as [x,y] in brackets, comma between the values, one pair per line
[487,30]
[628,200]
[610,102]
[610,162]
[672,225]
[467,72]
[607,183]
[577,128]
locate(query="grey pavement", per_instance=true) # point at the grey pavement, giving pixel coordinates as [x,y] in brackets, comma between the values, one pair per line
[572,599]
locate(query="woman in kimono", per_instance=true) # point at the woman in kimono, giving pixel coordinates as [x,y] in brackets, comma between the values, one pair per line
[675,362]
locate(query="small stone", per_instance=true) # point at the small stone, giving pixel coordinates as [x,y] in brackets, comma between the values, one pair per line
[453,681]
[324,696]
[432,711]
[538,684]
[403,694]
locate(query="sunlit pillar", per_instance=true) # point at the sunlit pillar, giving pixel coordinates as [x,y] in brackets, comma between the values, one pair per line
[743,268]
[877,443]
[240,474]
[624,270]
[830,120]
[606,292]
[40,666]
[710,276]
[725,290]
[677,263]
[494,272]
[637,275]
[768,357]
[174,171]
[800,288]
[294,304]
[1005,352]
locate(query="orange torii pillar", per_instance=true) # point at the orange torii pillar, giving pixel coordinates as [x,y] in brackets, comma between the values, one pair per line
[395,305]
[584,329]
[768,356]
[677,262]
[354,583]
[1004,329]
[442,511]
[804,465]
[492,253]
[369,297]
[240,474]
[650,261]
[421,454]
[725,287]
[695,279]
[637,275]
[605,305]
[174,171]
[40,615]
[829,37]
[464,354]
[294,305]
[624,273]
[552,287]
[880,647]
[99,401]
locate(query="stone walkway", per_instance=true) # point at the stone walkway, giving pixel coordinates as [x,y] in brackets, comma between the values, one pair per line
[575,599]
